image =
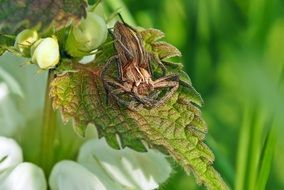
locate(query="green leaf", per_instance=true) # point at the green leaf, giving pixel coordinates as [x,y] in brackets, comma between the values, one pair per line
[80,96]
[6,42]
[165,50]
[18,15]
[266,163]
[176,127]
[11,82]
[151,35]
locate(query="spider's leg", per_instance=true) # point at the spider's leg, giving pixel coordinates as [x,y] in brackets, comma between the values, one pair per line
[103,74]
[166,81]
[121,89]
[117,38]
[132,105]
[160,63]
[146,62]
[121,18]
[111,82]
[137,100]
[125,49]
[171,81]
[172,63]
[106,66]
[142,99]
[155,95]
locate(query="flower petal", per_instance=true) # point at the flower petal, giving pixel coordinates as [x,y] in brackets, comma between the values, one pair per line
[24,176]
[69,175]
[131,169]
[10,153]
[45,52]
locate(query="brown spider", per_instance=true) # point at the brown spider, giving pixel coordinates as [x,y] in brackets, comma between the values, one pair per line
[135,86]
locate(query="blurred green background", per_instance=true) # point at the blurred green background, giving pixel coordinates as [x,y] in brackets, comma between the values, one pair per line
[233,51]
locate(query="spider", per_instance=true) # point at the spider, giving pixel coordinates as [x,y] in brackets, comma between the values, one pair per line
[135,86]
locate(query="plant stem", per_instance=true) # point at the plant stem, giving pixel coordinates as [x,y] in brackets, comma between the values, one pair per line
[119,4]
[265,167]
[243,148]
[48,130]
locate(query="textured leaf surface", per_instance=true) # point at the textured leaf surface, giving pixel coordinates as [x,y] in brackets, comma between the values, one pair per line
[19,14]
[175,127]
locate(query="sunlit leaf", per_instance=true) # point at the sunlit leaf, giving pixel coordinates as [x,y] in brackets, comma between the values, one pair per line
[165,50]
[151,35]
[176,127]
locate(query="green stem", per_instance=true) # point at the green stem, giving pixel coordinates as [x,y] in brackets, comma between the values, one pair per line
[266,163]
[125,13]
[48,131]
[243,148]
[256,147]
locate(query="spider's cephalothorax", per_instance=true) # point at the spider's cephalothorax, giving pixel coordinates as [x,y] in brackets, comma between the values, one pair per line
[135,86]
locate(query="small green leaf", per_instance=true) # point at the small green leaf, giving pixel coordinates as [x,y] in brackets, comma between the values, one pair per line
[151,35]
[165,50]
[18,15]
[6,42]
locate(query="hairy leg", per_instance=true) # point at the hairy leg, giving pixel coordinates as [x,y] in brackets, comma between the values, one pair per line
[170,81]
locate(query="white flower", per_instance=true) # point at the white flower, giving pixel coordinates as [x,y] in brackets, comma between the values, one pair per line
[9,112]
[3,91]
[24,176]
[99,167]
[10,153]
[114,169]
[70,175]
[25,40]
[15,175]
[87,36]
[45,53]
[87,59]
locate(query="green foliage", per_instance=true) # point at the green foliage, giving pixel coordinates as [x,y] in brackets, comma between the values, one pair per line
[233,52]
[175,127]
[6,42]
[18,15]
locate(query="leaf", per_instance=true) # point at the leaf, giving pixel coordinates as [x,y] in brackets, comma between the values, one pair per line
[21,14]
[165,50]
[176,127]
[151,35]
[6,42]
[80,96]
[12,83]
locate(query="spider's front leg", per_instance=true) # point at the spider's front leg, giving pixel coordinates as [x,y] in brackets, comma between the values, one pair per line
[117,90]
[160,63]
[103,75]
[169,81]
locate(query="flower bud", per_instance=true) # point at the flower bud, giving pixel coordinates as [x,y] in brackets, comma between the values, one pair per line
[25,40]
[87,36]
[45,53]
